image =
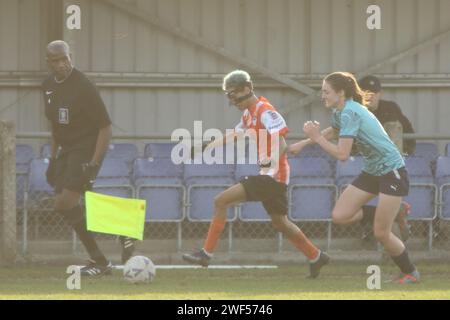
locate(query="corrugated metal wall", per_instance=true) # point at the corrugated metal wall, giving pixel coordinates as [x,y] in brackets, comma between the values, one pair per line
[300,37]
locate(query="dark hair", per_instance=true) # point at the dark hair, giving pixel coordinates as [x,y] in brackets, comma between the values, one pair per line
[347,82]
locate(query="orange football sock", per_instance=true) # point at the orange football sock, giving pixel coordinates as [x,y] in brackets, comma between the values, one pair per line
[215,230]
[302,243]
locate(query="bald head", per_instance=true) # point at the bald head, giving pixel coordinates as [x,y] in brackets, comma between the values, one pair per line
[58,47]
[59,60]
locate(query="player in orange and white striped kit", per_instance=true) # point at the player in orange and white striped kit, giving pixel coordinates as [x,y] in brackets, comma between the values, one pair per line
[270,186]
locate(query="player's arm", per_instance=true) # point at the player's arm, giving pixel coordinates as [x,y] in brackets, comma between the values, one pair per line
[53,148]
[103,140]
[341,151]
[51,169]
[53,145]
[238,132]
[329,133]
[349,128]
[223,141]
[98,115]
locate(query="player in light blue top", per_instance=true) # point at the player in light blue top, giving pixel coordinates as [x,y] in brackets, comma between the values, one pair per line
[379,152]
[384,174]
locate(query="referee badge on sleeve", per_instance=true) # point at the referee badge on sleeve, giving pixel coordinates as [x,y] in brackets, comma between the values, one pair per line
[63,115]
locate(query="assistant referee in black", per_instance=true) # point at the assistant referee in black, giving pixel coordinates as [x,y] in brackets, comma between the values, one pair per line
[81,132]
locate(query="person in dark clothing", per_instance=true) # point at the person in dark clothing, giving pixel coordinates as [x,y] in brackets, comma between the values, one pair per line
[81,132]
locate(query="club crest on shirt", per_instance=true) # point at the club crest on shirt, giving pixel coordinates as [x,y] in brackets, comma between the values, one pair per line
[63,116]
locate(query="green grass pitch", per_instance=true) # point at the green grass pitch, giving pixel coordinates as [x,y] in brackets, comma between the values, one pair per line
[337,281]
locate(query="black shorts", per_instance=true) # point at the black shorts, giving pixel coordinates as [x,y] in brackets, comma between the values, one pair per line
[270,192]
[394,183]
[68,170]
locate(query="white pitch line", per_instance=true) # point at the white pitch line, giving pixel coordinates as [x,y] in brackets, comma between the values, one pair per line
[224,267]
[215,267]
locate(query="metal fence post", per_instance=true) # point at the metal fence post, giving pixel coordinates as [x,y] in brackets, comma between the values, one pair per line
[8,241]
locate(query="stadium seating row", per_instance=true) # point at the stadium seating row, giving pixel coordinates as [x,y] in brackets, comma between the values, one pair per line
[170,187]
[178,192]
[128,152]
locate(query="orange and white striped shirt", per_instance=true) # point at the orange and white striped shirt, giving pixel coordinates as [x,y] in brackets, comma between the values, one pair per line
[263,116]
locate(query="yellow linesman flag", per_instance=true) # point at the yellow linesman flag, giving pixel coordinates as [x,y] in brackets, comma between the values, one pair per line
[115,215]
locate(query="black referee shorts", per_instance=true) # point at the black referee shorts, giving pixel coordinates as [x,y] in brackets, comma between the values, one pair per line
[68,170]
[394,183]
[270,192]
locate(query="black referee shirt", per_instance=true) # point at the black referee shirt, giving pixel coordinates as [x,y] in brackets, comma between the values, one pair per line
[76,111]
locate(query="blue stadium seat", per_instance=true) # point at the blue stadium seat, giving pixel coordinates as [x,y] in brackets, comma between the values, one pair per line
[312,203]
[46,151]
[165,203]
[205,174]
[204,183]
[423,193]
[347,171]
[310,170]
[113,169]
[39,195]
[122,151]
[157,171]
[113,179]
[312,192]
[419,170]
[158,150]
[422,198]
[24,155]
[443,181]
[21,186]
[314,151]
[243,170]
[250,211]
[443,170]
[38,189]
[426,150]
[445,201]
[159,181]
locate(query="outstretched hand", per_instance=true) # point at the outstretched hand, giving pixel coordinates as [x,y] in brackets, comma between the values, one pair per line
[312,130]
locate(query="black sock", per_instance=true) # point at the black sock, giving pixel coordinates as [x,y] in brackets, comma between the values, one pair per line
[76,218]
[404,263]
[368,216]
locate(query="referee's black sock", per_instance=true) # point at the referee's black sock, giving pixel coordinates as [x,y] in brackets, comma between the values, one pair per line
[404,263]
[76,218]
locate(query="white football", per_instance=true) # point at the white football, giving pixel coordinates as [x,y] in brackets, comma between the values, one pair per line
[139,269]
